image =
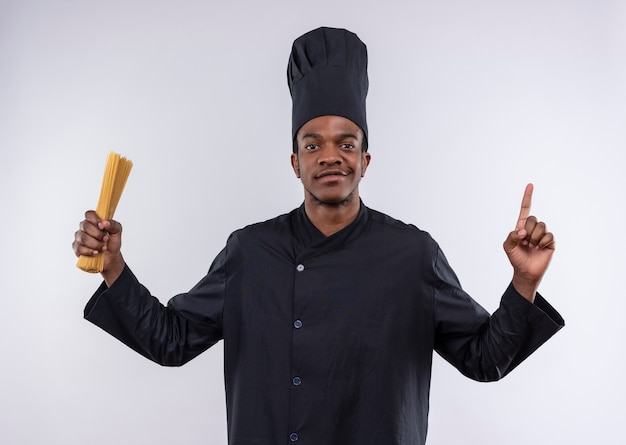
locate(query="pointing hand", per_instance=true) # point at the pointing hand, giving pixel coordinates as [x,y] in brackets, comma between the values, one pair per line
[529,248]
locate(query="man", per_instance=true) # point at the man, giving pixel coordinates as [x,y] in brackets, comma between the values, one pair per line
[330,313]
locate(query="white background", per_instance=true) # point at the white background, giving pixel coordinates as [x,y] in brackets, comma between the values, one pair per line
[468,102]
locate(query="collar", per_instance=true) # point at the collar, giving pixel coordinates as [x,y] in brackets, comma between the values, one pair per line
[311,242]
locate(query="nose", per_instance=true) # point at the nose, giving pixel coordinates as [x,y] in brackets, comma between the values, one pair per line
[329,155]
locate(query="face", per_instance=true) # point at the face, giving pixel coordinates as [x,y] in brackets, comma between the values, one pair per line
[329,160]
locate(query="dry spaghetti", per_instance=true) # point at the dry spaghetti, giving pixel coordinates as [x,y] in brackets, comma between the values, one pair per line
[116,173]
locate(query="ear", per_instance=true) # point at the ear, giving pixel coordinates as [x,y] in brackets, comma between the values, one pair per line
[365,162]
[295,164]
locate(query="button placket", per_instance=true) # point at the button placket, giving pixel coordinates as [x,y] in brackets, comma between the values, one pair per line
[296,380]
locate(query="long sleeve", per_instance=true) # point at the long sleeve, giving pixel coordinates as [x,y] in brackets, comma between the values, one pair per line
[485,347]
[169,335]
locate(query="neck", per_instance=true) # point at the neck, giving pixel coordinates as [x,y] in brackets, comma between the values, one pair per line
[330,218]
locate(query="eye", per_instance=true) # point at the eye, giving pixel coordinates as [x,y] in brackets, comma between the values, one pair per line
[310,146]
[346,146]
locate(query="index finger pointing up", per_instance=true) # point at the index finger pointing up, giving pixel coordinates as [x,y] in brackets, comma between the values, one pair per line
[525,210]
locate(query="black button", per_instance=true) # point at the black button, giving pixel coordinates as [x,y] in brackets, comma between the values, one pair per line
[297,324]
[293,437]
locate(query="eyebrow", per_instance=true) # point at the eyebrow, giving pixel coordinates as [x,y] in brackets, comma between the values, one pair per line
[311,136]
[347,136]
[337,137]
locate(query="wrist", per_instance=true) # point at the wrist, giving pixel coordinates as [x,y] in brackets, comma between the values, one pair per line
[113,270]
[525,287]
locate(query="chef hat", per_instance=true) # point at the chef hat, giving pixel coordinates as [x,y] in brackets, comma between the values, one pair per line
[327,75]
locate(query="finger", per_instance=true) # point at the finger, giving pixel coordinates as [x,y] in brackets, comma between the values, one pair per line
[80,250]
[540,237]
[111,226]
[90,239]
[84,244]
[547,241]
[525,208]
[529,228]
[513,239]
[91,229]
[92,216]
[538,231]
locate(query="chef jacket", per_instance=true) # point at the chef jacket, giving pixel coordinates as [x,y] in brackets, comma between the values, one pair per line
[327,340]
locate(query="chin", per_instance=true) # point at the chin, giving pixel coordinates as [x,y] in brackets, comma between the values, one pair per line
[333,200]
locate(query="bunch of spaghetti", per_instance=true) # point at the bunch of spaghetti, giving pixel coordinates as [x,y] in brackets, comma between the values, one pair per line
[116,173]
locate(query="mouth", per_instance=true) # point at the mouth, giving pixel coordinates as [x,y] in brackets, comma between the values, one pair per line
[329,175]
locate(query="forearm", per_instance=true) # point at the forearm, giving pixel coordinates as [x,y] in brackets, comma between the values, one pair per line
[487,348]
[131,314]
[113,270]
[526,288]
